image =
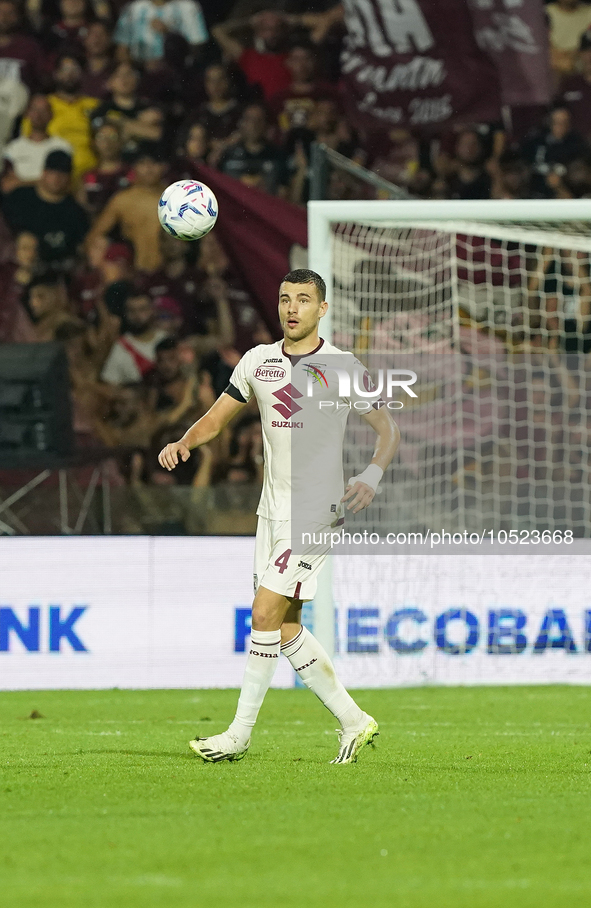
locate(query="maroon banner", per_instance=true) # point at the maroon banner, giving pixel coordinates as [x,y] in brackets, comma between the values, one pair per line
[258,232]
[515,35]
[416,64]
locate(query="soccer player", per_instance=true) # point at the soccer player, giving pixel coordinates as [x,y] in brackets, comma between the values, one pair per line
[303,487]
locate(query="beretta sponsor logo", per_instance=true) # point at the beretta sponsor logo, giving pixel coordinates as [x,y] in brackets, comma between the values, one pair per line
[269,373]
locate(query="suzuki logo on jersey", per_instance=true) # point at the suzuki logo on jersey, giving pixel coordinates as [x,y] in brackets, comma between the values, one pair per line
[287,406]
[269,373]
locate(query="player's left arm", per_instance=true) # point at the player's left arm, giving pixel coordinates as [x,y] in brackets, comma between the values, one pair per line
[361,489]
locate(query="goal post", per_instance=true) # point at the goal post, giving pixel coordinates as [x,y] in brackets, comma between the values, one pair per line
[493,300]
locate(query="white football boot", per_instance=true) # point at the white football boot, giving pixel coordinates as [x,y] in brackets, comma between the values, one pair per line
[352,740]
[219,747]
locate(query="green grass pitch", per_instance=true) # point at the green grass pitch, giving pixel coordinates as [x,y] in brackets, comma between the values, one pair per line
[473,798]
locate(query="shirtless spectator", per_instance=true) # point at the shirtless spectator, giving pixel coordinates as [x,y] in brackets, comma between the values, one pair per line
[133,355]
[170,383]
[134,211]
[109,176]
[25,157]
[131,423]
[48,305]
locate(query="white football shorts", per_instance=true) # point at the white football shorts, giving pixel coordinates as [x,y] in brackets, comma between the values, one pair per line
[285,570]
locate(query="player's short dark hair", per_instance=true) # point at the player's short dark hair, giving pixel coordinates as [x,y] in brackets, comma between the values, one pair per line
[305,276]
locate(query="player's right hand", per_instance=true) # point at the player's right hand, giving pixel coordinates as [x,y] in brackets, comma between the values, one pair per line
[169,456]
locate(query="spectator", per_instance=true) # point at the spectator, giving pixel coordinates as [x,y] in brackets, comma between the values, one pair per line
[134,211]
[248,328]
[551,149]
[133,355]
[124,107]
[253,159]
[169,318]
[182,282]
[468,178]
[127,422]
[331,128]
[244,464]
[220,113]
[569,19]
[25,157]
[15,276]
[49,211]
[169,384]
[21,58]
[398,160]
[48,304]
[263,64]
[91,398]
[144,25]
[218,367]
[576,91]
[560,289]
[511,178]
[294,106]
[71,113]
[218,116]
[194,150]
[576,183]
[68,34]
[98,50]
[109,176]
[108,275]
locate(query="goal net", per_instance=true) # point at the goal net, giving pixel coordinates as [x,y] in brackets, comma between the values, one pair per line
[489,303]
[494,316]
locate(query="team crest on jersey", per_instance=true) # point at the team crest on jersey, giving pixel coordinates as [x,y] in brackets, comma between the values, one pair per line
[269,373]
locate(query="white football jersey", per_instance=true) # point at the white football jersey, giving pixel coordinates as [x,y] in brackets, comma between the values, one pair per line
[303,422]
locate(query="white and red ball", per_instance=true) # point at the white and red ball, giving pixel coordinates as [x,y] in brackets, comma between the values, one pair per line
[187,209]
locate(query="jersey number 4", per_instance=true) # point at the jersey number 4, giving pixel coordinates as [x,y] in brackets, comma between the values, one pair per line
[281,562]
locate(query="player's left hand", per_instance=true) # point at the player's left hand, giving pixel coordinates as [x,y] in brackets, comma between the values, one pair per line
[361,496]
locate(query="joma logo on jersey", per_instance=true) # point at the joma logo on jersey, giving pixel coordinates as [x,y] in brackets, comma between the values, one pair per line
[272,360]
[287,397]
[269,373]
[305,564]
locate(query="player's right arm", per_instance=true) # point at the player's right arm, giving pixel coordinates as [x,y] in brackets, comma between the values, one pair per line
[205,429]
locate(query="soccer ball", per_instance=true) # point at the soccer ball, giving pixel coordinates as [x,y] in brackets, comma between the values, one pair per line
[187,209]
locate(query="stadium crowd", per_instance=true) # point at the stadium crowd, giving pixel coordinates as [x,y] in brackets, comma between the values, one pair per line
[102,103]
